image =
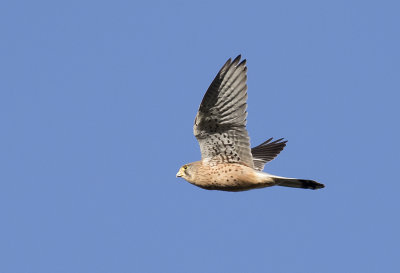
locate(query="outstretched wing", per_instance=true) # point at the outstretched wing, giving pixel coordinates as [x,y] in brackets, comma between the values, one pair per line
[220,124]
[266,151]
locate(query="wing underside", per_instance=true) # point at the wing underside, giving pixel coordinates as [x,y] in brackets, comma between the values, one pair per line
[220,123]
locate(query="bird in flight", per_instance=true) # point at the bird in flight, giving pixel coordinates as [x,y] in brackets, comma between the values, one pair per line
[227,161]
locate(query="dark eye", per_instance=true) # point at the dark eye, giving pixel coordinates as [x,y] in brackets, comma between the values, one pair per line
[185,167]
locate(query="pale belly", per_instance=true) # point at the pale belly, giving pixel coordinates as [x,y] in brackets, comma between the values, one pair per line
[230,177]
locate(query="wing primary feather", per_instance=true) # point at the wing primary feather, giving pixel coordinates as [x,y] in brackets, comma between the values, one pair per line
[237,59]
[266,152]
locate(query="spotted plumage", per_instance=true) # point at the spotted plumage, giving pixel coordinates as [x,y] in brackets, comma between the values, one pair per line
[227,161]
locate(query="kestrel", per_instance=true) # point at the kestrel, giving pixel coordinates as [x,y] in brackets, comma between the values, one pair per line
[227,161]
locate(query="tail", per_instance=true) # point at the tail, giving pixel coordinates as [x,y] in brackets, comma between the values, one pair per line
[298,183]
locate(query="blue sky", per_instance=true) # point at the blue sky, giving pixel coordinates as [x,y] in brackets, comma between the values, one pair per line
[97,102]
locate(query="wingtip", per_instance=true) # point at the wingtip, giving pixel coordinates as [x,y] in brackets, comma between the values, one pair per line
[225,67]
[228,62]
[268,140]
[278,141]
[281,140]
[236,60]
[234,63]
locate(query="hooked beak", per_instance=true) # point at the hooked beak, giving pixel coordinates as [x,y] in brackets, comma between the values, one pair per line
[179,174]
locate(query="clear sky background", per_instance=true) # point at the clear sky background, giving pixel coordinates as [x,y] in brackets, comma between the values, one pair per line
[97,102]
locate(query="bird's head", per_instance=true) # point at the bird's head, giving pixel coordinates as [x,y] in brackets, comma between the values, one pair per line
[186,172]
